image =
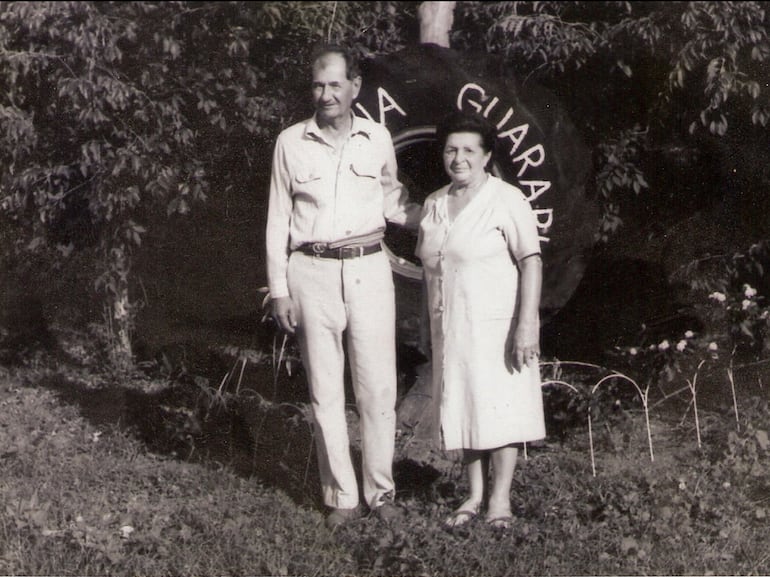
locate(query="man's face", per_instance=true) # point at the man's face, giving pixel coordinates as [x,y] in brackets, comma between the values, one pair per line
[333,92]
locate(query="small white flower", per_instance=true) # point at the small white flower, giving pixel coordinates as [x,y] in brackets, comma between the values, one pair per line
[682,485]
[632,351]
[713,346]
[689,335]
[125,531]
[663,346]
[681,345]
[653,347]
[726,485]
[717,296]
[749,291]
[745,304]
[765,314]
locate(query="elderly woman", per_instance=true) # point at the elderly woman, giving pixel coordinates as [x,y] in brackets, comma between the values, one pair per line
[479,246]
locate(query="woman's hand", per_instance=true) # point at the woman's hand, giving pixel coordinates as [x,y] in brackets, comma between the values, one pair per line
[526,345]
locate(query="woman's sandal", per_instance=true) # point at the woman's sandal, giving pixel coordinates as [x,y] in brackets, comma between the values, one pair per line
[460,517]
[503,522]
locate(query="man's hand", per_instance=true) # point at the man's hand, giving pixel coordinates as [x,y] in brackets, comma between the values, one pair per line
[285,314]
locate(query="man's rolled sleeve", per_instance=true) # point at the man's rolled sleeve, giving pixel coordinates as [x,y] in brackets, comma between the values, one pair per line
[278,224]
[397,208]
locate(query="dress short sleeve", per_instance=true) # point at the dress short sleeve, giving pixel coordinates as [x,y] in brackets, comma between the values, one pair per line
[519,224]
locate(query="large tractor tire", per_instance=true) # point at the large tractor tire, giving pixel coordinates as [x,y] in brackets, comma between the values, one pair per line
[539,151]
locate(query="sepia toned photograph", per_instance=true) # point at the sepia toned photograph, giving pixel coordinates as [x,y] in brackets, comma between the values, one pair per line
[384,288]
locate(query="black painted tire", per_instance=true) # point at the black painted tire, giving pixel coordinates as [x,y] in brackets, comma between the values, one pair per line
[539,150]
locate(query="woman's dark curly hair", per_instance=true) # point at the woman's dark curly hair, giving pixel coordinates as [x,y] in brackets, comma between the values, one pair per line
[467,122]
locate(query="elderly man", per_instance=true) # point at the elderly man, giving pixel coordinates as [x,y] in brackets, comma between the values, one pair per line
[334,184]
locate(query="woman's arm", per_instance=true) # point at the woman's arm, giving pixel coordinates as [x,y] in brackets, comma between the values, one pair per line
[526,339]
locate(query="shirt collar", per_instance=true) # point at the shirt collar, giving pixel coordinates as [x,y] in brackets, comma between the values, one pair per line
[358,126]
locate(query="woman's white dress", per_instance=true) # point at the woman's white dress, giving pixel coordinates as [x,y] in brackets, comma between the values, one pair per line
[472,279]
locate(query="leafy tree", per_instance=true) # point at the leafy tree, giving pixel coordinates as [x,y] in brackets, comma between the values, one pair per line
[639,76]
[115,114]
[103,120]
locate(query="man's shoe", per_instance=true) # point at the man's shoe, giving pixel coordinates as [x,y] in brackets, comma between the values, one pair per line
[341,516]
[388,512]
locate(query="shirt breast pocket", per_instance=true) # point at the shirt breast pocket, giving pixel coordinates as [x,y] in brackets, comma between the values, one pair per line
[305,177]
[365,170]
[308,182]
[365,179]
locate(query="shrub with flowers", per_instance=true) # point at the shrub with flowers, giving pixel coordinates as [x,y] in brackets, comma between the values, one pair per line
[670,359]
[737,289]
[735,319]
[748,318]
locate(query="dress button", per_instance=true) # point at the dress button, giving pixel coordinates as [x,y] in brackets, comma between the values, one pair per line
[440,308]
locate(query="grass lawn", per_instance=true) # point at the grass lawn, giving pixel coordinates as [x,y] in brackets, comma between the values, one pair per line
[98,489]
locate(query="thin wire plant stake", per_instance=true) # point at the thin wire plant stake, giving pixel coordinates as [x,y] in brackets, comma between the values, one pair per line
[691,385]
[644,395]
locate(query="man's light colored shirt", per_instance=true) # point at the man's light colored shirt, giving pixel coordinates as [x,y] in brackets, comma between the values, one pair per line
[320,194]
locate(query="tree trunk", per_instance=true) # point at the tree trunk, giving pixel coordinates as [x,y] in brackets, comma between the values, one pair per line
[118,310]
[436,19]
[122,352]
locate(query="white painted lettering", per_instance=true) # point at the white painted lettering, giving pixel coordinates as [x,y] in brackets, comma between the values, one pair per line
[365,112]
[516,135]
[490,106]
[382,96]
[530,159]
[508,114]
[473,103]
[548,214]
[536,188]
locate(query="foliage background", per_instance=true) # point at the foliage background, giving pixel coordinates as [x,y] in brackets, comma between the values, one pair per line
[128,127]
[136,139]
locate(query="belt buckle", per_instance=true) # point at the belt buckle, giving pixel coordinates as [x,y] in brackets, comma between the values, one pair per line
[351,251]
[318,247]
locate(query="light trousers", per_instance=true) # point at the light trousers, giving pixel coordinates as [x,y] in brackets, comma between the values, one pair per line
[355,298]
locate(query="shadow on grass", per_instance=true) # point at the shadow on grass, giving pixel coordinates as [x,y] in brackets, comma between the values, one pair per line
[271,442]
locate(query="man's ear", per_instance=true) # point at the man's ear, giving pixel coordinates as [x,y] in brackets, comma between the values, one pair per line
[356,86]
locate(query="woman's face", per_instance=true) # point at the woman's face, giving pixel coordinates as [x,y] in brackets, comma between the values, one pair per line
[465,158]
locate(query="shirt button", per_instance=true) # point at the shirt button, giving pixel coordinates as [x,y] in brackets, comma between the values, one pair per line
[440,308]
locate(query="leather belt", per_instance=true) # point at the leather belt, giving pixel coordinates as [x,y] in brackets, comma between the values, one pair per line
[322,250]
